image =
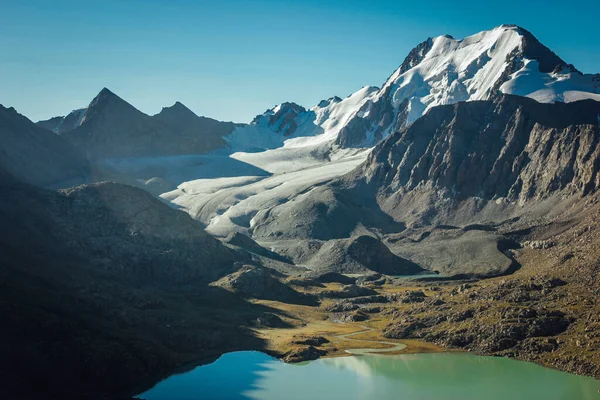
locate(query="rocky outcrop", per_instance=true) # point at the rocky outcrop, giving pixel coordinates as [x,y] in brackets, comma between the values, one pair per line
[348,291]
[282,119]
[362,254]
[259,283]
[304,353]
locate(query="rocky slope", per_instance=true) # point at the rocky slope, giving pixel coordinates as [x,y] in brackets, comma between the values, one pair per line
[104,291]
[36,156]
[484,157]
[546,312]
[484,161]
[451,177]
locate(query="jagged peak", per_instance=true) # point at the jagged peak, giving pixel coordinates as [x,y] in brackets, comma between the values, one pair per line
[104,99]
[278,110]
[8,109]
[12,113]
[525,46]
[415,56]
[533,49]
[178,109]
[105,95]
[288,105]
[329,101]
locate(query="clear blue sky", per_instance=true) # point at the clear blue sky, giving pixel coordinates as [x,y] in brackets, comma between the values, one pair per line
[232,59]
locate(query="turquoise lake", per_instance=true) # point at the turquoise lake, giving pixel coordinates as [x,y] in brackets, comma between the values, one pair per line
[252,375]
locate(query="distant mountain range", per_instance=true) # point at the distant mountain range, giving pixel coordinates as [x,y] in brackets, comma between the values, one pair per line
[110,127]
[439,71]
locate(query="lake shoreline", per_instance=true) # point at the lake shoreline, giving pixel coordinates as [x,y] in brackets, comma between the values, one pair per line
[451,375]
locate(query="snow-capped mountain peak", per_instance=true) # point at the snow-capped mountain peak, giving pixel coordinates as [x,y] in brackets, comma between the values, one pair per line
[441,70]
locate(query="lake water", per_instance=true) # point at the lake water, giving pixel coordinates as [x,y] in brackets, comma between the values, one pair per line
[448,376]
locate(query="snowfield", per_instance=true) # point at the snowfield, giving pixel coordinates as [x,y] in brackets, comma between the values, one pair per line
[228,205]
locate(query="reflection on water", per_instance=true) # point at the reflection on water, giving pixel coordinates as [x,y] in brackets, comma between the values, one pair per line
[453,376]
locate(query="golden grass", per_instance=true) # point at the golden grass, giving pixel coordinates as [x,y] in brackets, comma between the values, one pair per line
[309,321]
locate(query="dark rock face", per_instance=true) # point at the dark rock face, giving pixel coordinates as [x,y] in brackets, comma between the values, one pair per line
[469,148]
[532,49]
[37,156]
[63,124]
[284,119]
[103,289]
[113,128]
[416,55]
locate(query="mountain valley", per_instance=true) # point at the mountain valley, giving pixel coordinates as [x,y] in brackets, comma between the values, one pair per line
[456,207]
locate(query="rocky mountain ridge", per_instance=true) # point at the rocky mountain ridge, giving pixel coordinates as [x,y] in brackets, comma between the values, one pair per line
[439,71]
[112,128]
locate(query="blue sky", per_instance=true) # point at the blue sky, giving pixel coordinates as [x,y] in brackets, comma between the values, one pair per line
[232,59]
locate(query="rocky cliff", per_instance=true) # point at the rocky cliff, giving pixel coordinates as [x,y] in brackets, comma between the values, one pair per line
[483,157]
